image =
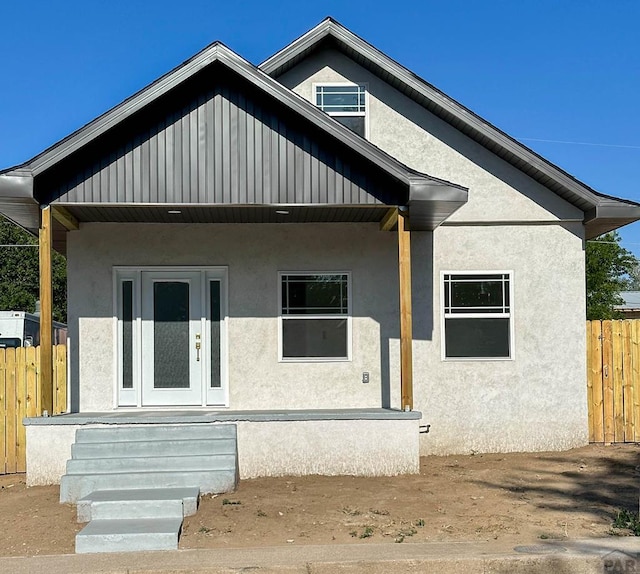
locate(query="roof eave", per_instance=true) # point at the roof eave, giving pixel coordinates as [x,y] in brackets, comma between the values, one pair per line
[609,215]
[433,202]
[17,203]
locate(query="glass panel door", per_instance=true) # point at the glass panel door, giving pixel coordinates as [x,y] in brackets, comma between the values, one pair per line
[172,353]
[171,338]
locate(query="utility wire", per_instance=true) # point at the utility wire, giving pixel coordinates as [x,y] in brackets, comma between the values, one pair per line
[579,143]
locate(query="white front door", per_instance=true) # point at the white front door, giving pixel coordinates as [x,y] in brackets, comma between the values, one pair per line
[180,345]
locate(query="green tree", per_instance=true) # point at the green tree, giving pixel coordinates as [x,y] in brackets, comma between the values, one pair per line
[634,278]
[20,271]
[608,266]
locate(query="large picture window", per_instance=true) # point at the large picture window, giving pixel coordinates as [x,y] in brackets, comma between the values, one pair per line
[315,317]
[346,103]
[477,315]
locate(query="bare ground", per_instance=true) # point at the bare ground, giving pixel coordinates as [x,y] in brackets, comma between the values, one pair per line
[508,497]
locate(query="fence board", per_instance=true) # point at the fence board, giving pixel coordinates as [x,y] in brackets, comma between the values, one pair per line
[10,417]
[60,379]
[627,383]
[590,383]
[613,380]
[32,390]
[595,368]
[617,359]
[607,377]
[21,410]
[636,380]
[19,398]
[3,410]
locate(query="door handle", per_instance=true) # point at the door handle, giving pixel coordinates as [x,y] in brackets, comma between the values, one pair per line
[197,346]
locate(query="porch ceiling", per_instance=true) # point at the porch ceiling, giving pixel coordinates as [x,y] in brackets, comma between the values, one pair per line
[227,214]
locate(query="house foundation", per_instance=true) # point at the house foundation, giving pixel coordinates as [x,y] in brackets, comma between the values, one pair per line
[356,442]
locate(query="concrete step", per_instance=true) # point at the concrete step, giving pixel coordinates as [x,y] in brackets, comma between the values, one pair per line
[151,464]
[152,432]
[129,535]
[153,448]
[138,503]
[75,486]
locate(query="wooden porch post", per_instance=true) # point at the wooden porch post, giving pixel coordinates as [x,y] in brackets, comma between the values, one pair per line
[46,313]
[406,337]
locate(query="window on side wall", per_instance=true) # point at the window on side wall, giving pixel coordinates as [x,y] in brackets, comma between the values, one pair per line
[347,103]
[315,321]
[477,315]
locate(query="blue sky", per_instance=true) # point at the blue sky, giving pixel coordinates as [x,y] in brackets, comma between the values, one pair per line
[544,71]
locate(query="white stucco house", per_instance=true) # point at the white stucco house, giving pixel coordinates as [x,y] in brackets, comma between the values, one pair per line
[324,250]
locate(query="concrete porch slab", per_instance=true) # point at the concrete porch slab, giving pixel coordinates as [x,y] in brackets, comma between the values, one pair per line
[194,416]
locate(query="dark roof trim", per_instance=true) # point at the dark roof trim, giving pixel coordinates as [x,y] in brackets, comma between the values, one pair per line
[16,185]
[454,113]
[218,52]
[16,200]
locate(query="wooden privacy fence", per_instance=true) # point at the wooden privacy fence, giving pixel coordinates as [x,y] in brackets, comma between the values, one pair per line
[613,380]
[20,396]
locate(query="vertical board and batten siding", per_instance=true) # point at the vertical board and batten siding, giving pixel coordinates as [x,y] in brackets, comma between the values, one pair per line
[225,146]
[19,396]
[613,380]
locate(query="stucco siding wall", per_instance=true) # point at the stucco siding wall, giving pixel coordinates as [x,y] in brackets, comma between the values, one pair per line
[254,254]
[537,401]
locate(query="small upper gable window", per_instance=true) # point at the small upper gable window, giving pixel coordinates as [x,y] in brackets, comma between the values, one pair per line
[347,103]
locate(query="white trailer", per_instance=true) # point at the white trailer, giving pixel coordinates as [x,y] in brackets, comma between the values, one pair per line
[22,329]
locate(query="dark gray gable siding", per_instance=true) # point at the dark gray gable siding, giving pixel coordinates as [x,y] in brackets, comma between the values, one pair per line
[217,141]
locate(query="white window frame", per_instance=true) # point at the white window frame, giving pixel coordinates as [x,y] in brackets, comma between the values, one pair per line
[364,114]
[505,315]
[348,317]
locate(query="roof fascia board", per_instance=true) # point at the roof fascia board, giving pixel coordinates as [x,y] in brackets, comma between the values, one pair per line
[299,45]
[330,27]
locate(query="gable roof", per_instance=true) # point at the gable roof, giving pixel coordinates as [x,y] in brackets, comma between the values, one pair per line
[602,212]
[431,199]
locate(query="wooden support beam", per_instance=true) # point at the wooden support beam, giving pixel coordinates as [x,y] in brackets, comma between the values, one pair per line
[67,219]
[406,328]
[390,220]
[46,313]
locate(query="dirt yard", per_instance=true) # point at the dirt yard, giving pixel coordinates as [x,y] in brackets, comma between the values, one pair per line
[510,497]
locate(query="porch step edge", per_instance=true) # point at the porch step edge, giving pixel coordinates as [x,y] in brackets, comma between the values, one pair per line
[104,465]
[129,535]
[138,503]
[76,486]
[134,448]
[155,432]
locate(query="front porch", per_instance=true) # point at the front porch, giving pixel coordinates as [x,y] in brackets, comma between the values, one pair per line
[358,442]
